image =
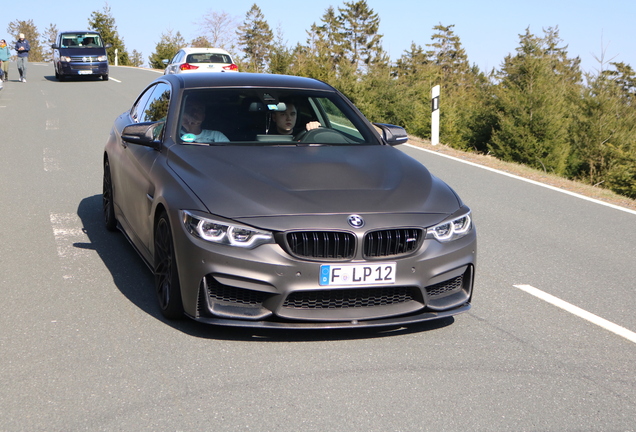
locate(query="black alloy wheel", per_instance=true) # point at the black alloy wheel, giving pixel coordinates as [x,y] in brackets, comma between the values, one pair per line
[107,199]
[166,274]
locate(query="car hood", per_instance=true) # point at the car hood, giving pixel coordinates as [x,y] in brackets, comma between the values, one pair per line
[255,181]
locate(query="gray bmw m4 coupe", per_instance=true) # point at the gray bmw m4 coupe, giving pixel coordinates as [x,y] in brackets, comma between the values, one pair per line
[271,201]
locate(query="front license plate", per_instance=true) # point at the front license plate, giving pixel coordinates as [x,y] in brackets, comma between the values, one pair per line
[85,72]
[357,274]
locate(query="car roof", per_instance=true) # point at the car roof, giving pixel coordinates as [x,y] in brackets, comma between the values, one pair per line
[244,79]
[80,32]
[191,50]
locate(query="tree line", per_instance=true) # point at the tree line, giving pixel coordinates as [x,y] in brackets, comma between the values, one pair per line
[538,108]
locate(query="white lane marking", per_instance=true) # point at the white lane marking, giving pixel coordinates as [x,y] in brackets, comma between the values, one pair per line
[554,188]
[581,313]
[53,124]
[113,79]
[51,159]
[68,232]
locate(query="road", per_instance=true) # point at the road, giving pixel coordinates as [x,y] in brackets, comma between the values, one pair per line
[84,347]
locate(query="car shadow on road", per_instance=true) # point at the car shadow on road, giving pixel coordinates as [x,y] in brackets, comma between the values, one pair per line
[78,78]
[135,281]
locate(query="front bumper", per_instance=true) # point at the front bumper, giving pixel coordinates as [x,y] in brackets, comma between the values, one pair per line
[81,68]
[266,287]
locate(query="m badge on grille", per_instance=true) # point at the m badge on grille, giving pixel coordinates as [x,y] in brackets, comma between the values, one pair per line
[356,221]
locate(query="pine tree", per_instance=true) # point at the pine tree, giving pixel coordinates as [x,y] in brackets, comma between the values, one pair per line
[104,23]
[416,75]
[604,135]
[447,53]
[362,42]
[323,52]
[460,86]
[136,58]
[201,42]
[166,49]
[255,38]
[280,55]
[536,97]
[48,38]
[31,34]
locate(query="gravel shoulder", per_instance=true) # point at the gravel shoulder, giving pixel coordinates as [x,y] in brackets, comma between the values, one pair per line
[529,173]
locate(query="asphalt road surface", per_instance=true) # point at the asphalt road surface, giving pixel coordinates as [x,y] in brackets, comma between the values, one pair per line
[548,346]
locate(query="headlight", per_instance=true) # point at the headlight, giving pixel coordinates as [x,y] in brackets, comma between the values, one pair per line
[451,230]
[225,233]
[102,58]
[65,59]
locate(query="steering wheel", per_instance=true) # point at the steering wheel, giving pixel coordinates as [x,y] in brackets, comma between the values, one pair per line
[321,136]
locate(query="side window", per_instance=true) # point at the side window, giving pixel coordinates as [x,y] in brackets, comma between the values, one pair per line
[177,57]
[137,109]
[335,118]
[156,108]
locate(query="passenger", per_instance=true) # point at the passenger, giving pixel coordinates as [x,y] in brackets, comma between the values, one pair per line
[89,42]
[285,121]
[192,125]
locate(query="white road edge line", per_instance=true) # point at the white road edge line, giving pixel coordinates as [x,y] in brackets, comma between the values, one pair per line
[581,313]
[113,79]
[554,188]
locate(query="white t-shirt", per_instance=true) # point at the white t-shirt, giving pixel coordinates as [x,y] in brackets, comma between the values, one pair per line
[206,136]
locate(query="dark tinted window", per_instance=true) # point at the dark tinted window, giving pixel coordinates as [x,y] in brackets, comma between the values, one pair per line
[152,105]
[80,40]
[208,58]
[139,106]
[156,108]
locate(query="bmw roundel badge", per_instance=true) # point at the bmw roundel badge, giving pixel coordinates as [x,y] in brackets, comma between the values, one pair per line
[356,221]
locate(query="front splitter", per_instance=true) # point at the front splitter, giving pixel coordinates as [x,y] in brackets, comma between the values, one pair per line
[378,323]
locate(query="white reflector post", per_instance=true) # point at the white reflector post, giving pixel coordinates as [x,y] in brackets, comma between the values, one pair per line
[435,115]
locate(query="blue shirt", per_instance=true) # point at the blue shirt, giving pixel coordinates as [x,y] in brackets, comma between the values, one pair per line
[24,44]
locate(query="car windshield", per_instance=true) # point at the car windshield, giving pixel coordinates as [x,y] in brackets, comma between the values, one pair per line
[81,40]
[252,116]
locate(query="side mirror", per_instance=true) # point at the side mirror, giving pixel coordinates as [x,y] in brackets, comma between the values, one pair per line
[145,134]
[108,45]
[165,61]
[393,135]
[54,46]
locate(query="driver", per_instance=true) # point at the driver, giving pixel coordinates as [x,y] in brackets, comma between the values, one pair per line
[285,121]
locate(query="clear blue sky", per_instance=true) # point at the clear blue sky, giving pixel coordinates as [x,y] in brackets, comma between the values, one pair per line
[488,29]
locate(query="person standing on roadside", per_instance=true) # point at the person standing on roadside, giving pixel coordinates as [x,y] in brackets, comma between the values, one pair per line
[22,46]
[5,55]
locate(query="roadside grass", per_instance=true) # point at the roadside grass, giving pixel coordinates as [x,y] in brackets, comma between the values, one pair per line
[598,193]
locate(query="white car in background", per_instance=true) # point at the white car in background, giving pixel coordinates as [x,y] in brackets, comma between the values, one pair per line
[200,60]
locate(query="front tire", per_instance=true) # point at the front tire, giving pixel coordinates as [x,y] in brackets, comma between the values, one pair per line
[166,274]
[108,207]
